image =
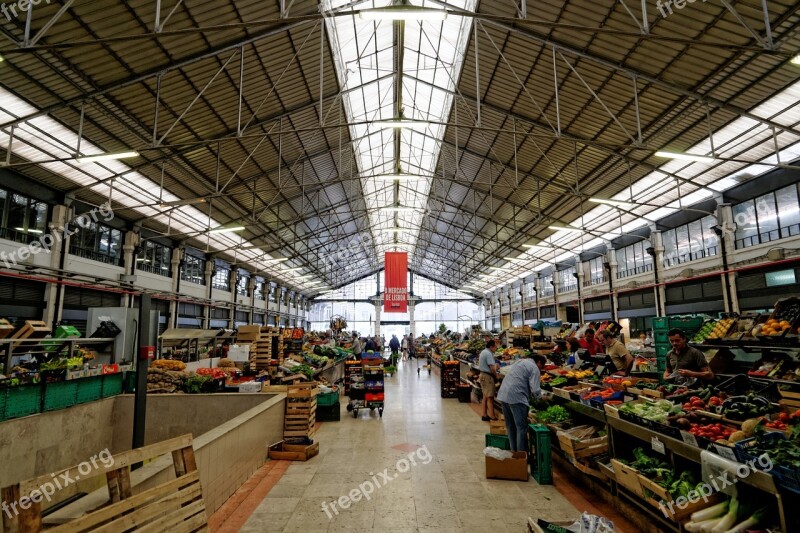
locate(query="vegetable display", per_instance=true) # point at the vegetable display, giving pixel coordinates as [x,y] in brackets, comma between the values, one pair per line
[654,412]
[558,382]
[553,415]
[213,373]
[742,407]
[168,364]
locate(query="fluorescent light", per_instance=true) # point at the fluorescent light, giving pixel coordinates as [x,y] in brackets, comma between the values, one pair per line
[2,59]
[178,203]
[223,229]
[537,247]
[401,123]
[615,203]
[515,258]
[142,260]
[403,13]
[23,230]
[105,157]
[795,60]
[293,269]
[274,259]
[687,157]
[565,228]
[399,177]
[500,268]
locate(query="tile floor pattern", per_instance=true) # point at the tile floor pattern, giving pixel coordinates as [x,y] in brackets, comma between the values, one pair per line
[451,493]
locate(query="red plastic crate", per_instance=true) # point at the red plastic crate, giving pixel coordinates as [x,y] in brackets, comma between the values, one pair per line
[374,397]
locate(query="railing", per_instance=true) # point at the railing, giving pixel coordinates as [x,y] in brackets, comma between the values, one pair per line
[595,281]
[18,236]
[155,269]
[634,271]
[199,280]
[691,256]
[95,256]
[768,236]
[567,287]
[546,291]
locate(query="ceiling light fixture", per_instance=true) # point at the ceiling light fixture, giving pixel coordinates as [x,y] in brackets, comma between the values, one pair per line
[224,229]
[537,246]
[275,259]
[795,60]
[178,203]
[565,228]
[401,123]
[515,258]
[106,157]
[614,203]
[687,157]
[403,13]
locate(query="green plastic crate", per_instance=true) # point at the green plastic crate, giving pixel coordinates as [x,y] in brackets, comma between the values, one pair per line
[3,397]
[660,323]
[89,389]
[130,381]
[23,400]
[539,455]
[498,441]
[112,384]
[60,394]
[689,324]
[661,338]
[324,400]
[662,351]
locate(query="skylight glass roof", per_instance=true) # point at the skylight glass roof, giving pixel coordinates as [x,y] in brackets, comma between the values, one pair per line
[364,54]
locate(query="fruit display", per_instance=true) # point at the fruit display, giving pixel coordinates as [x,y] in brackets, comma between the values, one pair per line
[721,328]
[704,331]
[163,380]
[787,310]
[225,363]
[772,328]
[168,364]
[712,432]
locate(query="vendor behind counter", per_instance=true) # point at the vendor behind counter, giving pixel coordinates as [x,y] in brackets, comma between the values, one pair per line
[685,361]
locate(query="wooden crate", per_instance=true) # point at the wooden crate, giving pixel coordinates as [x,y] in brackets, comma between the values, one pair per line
[176,505]
[293,452]
[6,328]
[303,390]
[275,388]
[660,498]
[497,427]
[627,477]
[579,448]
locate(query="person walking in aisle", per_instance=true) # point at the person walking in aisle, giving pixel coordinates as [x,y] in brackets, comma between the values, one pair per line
[488,367]
[519,384]
[369,346]
[404,347]
[356,346]
[394,346]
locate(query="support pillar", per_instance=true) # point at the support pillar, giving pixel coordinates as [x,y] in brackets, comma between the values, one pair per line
[54,292]
[132,240]
[234,298]
[580,275]
[175,265]
[412,325]
[611,271]
[209,275]
[657,245]
[378,308]
[251,292]
[726,238]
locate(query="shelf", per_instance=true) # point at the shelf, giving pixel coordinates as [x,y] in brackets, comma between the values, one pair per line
[648,509]
[585,410]
[758,479]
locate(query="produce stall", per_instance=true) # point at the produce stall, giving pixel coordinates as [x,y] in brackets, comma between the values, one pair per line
[193,344]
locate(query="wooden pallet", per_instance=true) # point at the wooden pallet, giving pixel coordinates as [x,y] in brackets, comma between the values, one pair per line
[6,328]
[176,505]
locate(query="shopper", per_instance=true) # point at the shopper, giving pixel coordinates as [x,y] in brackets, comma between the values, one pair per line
[488,367]
[394,346]
[356,345]
[590,343]
[575,361]
[369,346]
[619,354]
[685,360]
[519,384]
[404,347]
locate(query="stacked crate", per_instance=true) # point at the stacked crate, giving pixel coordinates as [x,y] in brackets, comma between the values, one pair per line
[268,349]
[451,378]
[352,368]
[301,409]
[661,326]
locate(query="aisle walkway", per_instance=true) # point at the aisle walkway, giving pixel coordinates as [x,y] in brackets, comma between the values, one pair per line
[449,493]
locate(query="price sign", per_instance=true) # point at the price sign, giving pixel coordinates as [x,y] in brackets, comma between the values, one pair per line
[688,438]
[658,446]
[725,452]
[627,398]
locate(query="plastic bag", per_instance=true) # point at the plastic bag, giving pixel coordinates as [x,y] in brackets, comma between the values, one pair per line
[497,453]
[587,523]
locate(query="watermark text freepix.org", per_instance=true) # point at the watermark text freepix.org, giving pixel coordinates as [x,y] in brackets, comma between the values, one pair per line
[15,9]
[381,479]
[46,241]
[59,482]
[716,484]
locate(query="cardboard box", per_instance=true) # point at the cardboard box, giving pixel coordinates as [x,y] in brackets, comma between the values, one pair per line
[497,427]
[515,468]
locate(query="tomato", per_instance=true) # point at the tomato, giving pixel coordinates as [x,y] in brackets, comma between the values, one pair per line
[783,416]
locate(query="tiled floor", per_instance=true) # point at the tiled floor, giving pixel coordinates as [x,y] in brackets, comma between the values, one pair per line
[445,490]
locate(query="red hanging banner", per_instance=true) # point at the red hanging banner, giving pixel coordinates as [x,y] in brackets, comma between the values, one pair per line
[395,297]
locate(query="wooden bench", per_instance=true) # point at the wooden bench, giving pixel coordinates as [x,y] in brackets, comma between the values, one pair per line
[175,506]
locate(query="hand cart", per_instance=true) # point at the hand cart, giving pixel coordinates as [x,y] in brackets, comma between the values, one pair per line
[373,391]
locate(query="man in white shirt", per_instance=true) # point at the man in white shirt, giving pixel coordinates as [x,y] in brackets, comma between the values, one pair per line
[519,384]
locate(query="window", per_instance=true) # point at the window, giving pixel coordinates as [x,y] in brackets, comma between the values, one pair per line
[98,243]
[193,270]
[273,292]
[781,277]
[690,242]
[530,293]
[595,271]
[547,285]
[242,281]
[22,219]
[634,259]
[515,294]
[221,279]
[155,258]
[772,216]
[566,280]
[259,290]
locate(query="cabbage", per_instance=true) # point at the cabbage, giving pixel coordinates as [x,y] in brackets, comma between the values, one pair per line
[664,405]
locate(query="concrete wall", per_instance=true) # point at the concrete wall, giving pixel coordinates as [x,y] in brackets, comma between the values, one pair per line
[172,415]
[226,457]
